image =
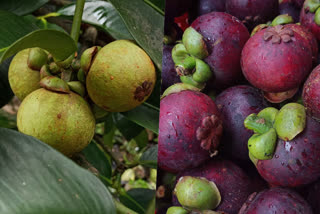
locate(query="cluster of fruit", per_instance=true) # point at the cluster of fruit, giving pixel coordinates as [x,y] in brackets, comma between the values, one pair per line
[241,131]
[62,100]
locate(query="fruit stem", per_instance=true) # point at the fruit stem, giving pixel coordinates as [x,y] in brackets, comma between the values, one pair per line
[77,19]
[121,209]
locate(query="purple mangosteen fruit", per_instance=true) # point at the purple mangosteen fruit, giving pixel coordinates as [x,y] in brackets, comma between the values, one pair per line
[208,46]
[169,75]
[275,200]
[277,60]
[288,7]
[313,195]
[311,94]
[233,183]
[298,3]
[235,104]
[190,127]
[207,6]
[253,12]
[310,17]
[285,147]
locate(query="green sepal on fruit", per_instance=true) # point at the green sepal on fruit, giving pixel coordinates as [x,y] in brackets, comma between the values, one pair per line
[121,77]
[23,80]
[81,76]
[189,80]
[183,61]
[197,193]
[262,146]
[87,58]
[77,87]
[282,20]
[177,210]
[202,72]
[311,5]
[178,87]
[37,58]
[194,43]
[56,84]
[290,121]
[258,28]
[257,124]
[270,124]
[64,121]
[45,71]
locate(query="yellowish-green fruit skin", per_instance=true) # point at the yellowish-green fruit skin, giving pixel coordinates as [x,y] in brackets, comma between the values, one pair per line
[118,69]
[23,80]
[64,121]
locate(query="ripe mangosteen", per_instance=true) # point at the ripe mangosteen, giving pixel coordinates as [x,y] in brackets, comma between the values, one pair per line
[189,129]
[288,7]
[207,6]
[234,185]
[253,12]
[169,75]
[277,60]
[311,94]
[235,104]
[275,200]
[209,45]
[310,17]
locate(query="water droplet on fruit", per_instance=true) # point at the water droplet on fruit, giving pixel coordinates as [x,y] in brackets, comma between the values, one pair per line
[276,156]
[288,147]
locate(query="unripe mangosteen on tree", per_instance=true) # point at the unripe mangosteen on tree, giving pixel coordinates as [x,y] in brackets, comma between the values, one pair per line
[24,71]
[121,76]
[57,116]
[277,60]
[209,45]
[275,200]
[189,129]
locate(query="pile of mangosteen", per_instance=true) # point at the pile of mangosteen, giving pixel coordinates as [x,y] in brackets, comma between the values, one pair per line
[239,124]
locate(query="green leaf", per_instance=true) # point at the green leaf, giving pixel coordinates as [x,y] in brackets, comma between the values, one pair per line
[149,157]
[102,15]
[145,25]
[142,196]
[13,28]
[145,115]
[59,44]
[43,24]
[22,7]
[127,128]
[7,120]
[6,93]
[97,158]
[130,202]
[142,139]
[34,178]
[158,5]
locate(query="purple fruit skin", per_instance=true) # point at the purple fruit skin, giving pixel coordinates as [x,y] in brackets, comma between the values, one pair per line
[295,162]
[313,197]
[235,104]
[225,37]
[288,7]
[265,10]
[169,75]
[298,3]
[307,20]
[180,116]
[207,6]
[276,200]
[234,185]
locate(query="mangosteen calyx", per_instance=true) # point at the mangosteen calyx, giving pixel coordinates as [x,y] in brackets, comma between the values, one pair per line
[209,133]
[278,34]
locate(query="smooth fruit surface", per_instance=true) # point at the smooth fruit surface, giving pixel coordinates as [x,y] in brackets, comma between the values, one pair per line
[64,121]
[187,133]
[121,77]
[275,200]
[23,80]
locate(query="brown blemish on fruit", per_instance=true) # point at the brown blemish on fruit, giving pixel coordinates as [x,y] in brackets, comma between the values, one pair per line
[59,116]
[111,77]
[142,91]
[209,133]
[277,34]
